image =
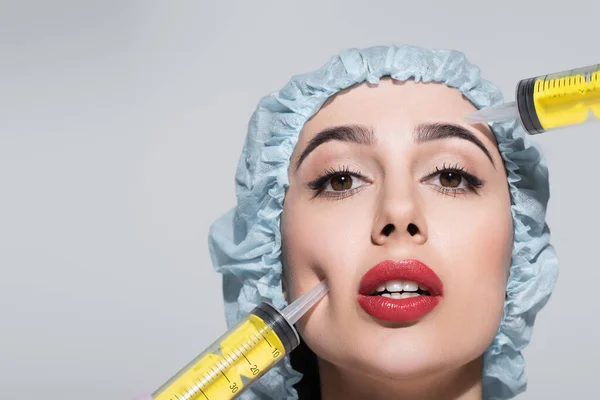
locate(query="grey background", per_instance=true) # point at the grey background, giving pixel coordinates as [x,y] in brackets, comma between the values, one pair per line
[120,128]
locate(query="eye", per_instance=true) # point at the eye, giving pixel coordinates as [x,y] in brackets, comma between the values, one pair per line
[450,179]
[343,182]
[453,181]
[338,183]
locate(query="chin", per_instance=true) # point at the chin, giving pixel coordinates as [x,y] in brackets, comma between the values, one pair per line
[404,353]
[404,362]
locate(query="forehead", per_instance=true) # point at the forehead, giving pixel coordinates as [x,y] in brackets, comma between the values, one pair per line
[395,104]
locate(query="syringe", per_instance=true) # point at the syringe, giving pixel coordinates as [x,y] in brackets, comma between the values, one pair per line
[243,354]
[550,101]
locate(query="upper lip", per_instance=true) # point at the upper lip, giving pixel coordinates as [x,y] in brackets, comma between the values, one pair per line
[408,270]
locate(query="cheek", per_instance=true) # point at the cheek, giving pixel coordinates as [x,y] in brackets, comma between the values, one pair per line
[485,236]
[487,255]
[476,248]
[324,239]
[479,232]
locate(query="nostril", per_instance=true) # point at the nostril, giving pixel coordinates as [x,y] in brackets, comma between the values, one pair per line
[412,229]
[388,229]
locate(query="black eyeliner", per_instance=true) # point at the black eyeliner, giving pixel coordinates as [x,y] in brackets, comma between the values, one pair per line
[474,182]
[318,185]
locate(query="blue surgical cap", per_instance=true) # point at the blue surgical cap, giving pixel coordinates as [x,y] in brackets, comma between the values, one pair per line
[245,243]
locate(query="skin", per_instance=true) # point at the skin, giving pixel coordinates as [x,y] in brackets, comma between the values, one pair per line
[466,238]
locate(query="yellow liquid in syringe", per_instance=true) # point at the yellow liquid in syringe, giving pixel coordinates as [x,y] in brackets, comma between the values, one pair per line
[567,100]
[243,355]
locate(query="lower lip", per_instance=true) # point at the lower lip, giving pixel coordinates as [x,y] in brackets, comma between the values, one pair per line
[398,310]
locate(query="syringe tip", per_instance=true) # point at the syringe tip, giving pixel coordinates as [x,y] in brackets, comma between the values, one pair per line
[302,304]
[475,118]
[500,112]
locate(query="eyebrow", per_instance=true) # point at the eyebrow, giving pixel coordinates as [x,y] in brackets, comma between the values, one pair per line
[359,134]
[438,131]
[363,135]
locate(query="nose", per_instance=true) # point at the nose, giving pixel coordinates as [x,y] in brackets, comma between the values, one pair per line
[400,218]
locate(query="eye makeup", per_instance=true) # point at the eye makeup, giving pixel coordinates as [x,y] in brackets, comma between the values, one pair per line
[454,180]
[342,182]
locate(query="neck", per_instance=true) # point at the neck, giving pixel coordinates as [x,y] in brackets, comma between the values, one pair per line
[461,384]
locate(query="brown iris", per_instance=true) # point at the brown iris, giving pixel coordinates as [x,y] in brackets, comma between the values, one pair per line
[450,179]
[341,182]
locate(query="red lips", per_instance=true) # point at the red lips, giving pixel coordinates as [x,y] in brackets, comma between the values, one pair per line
[399,310]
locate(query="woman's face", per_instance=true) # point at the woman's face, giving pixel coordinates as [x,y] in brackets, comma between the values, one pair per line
[405,185]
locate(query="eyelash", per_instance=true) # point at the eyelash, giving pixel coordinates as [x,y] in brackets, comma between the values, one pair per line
[473,182]
[319,184]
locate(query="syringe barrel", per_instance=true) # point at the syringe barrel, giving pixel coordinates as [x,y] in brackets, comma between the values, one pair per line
[234,361]
[556,100]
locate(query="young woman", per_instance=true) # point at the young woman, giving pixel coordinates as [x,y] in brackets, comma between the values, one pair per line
[430,232]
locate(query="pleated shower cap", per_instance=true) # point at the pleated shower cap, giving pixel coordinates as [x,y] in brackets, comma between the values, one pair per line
[245,243]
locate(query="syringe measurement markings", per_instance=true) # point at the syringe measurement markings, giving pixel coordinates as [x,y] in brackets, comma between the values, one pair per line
[191,391]
[260,335]
[195,387]
[246,346]
[204,394]
[257,337]
[266,340]
[225,376]
[241,353]
[249,347]
[250,339]
[245,356]
[224,364]
[198,387]
[221,366]
[230,359]
[216,373]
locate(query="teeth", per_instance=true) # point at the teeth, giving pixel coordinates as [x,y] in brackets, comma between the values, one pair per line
[397,295]
[394,286]
[399,286]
